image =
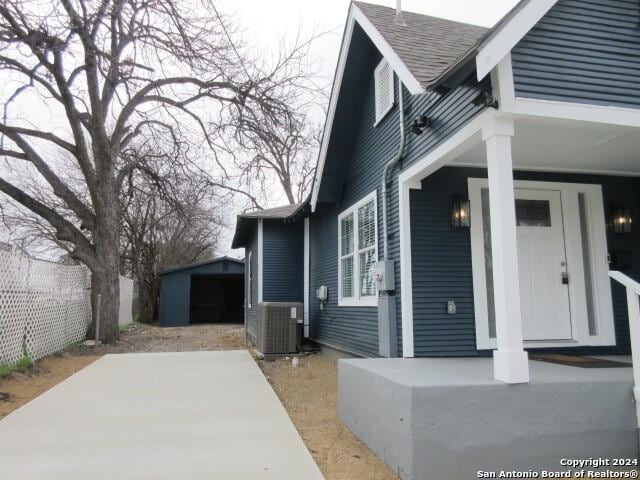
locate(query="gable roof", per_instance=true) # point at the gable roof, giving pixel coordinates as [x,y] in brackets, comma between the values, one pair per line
[427,51]
[200,264]
[428,46]
[245,221]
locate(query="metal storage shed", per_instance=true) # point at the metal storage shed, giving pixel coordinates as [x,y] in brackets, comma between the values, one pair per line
[205,292]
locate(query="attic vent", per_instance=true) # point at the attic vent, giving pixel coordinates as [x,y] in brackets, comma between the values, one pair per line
[385,95]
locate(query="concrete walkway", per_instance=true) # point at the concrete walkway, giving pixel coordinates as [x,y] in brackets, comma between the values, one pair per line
[196,415]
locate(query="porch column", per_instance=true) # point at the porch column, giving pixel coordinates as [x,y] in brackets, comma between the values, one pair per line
[510,361]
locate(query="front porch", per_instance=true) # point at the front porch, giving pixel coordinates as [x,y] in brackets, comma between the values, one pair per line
[529,269]
[440,418]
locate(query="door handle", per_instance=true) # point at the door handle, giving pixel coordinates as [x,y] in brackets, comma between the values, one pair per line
[565,278]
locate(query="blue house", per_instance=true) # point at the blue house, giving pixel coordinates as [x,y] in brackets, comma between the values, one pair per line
[474,206]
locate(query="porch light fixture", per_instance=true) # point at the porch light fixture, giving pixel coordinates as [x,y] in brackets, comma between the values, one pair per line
[460,212]
[622,221]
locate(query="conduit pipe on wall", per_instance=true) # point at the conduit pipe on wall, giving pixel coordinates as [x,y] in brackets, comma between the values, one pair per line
[387,168]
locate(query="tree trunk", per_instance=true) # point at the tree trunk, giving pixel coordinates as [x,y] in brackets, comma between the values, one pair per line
[106,273]
[105,281]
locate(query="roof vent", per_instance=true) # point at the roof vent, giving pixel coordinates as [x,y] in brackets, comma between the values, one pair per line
[399,20]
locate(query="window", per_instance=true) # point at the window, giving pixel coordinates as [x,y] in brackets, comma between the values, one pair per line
[384,86]
[358,249]
[249,282]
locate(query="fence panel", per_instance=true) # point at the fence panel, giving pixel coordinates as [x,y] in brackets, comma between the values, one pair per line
[44,306]
[126,301]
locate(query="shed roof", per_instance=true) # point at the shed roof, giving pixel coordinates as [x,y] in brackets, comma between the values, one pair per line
[200,264]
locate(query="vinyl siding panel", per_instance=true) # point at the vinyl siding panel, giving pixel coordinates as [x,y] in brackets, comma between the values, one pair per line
[584,51]
[283,245]
[355,329]
[441,263]
[174,299]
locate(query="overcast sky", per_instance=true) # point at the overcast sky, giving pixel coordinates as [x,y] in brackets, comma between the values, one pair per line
[265,21]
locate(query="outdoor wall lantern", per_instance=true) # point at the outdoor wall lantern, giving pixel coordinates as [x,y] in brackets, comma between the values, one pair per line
[460,212]
[622,221]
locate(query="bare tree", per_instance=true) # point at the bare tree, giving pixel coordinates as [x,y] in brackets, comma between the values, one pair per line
[103,74]
[284,151]
[169,218]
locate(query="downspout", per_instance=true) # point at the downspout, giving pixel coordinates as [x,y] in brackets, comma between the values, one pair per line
[385,174]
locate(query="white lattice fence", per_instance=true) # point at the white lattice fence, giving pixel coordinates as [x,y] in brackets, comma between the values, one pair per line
[126,300]
[44,304]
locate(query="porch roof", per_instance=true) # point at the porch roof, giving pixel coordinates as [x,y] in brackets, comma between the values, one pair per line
[548,144]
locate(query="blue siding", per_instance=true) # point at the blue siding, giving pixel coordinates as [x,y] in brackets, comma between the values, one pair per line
[585,51]
[355,328]
[441,268]
[283,250]
[441,261]
[174,299]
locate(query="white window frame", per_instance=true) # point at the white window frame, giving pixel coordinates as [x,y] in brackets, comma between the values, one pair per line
[249,279]
[357,300]
[392,95]
[577,295]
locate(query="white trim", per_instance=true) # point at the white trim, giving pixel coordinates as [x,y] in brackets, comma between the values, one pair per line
[528,168]
[509,34]
[502,84]
[260,258]
[357,300]
[306,277]
[404,75]
[577,294]
[629,117]
[460,142]
[406,275]
[391,95]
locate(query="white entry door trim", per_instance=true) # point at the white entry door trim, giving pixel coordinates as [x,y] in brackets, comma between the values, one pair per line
[600,329]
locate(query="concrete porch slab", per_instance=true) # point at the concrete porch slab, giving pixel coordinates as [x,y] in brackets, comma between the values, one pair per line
[440,418]
[196,415]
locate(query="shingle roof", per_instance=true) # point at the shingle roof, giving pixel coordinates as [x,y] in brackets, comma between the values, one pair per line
[246,221]
[284,211]
[428,46]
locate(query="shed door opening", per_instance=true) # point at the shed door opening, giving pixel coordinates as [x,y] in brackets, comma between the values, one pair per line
[216,298]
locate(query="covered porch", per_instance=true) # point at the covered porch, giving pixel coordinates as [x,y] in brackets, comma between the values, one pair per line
[512,228]
[516,237]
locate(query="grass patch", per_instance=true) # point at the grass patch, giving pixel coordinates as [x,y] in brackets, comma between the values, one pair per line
[21,366]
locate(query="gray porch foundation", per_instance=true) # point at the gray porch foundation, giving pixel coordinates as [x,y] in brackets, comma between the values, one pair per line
[443,418]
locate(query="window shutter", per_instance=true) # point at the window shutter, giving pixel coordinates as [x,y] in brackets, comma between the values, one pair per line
[384,93]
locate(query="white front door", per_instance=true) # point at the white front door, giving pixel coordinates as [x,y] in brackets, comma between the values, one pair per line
[542,263]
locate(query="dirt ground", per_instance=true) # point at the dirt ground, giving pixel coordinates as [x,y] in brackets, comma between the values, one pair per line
[23,387]
[308,391]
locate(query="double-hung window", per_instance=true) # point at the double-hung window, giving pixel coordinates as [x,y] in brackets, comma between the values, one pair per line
[358,253]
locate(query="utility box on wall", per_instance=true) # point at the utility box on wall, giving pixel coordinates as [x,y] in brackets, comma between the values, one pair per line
[278,326]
